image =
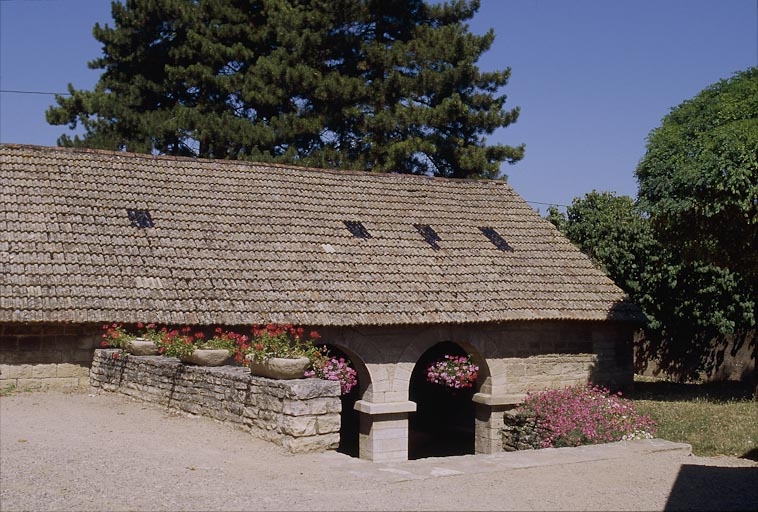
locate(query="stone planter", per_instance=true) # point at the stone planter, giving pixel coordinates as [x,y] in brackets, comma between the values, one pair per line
[141,347]
[279,367]
[207,357]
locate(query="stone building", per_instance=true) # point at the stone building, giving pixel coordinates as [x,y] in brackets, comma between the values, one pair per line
[393,270]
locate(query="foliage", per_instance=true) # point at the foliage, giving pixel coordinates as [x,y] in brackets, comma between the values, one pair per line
[183,342]
[149,332]
[685,253]
[612,232]
[453,372]
[7,390]
[326,367]
[115,336]
[698,180]
[276,340]
[178,342]
[224,339]
[584,414]
[388,86]
[698,185]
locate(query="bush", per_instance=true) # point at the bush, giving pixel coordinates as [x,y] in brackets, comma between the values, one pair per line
[576,416]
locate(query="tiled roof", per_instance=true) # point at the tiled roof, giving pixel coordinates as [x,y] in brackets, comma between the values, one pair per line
[237,243]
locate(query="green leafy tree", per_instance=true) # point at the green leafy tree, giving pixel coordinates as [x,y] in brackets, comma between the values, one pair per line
[380,85]
[698,180]
[611,231]
[698,185]
[686,252]
[692,308]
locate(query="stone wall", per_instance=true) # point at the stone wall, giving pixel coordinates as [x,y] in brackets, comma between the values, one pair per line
[514,357]
[302,415]
[35,356]
[519,432]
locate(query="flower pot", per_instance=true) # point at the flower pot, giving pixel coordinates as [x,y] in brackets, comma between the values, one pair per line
[206,357]
[141,347]
[279,367]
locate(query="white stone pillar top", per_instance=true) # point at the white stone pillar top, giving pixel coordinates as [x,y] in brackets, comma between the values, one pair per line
[506,399]
[374,408]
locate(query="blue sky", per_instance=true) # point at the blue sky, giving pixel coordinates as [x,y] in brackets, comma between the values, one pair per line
[592,77]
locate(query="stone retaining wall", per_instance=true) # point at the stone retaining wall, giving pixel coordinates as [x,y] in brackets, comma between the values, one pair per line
[302,415]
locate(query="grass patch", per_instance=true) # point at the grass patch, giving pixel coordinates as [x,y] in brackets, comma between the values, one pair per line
[7,390]
[716,419]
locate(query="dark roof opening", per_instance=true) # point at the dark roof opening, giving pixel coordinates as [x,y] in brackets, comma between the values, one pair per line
[497,240]
[429,235]
[357,229]
[140,218]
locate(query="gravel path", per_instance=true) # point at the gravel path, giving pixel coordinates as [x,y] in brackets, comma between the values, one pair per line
[87,451]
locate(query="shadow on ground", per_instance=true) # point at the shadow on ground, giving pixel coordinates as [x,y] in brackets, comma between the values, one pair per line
[714,488]
[724,391]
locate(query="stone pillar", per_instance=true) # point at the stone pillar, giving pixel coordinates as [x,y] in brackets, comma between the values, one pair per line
[384,430]
[489,420]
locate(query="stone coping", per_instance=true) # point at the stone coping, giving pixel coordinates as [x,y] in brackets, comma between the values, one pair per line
[504,399]
[374,408]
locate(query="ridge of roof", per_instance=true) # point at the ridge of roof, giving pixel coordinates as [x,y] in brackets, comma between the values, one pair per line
[251,163]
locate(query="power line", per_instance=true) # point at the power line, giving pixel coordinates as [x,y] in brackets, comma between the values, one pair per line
[36,92]
[547,204]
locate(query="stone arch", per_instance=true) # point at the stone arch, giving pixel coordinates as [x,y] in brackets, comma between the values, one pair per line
[444,422]
[372,378]
[405,365]
[414,351]
[349,417]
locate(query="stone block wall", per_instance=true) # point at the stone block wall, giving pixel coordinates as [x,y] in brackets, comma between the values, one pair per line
[548,371]
[35,356]
[301,415]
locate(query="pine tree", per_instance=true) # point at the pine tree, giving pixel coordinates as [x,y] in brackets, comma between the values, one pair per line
[379,85]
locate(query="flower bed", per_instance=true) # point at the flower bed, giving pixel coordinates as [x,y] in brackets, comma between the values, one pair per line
[573,416]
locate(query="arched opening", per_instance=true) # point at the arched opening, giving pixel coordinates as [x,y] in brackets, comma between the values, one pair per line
[349,417]
[443,424]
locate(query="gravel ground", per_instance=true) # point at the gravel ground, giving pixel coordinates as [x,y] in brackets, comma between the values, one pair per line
[88,451]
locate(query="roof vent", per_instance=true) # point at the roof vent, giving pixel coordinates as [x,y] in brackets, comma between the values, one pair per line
[429,235]
[140,218]
[497,240]
[357,229]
